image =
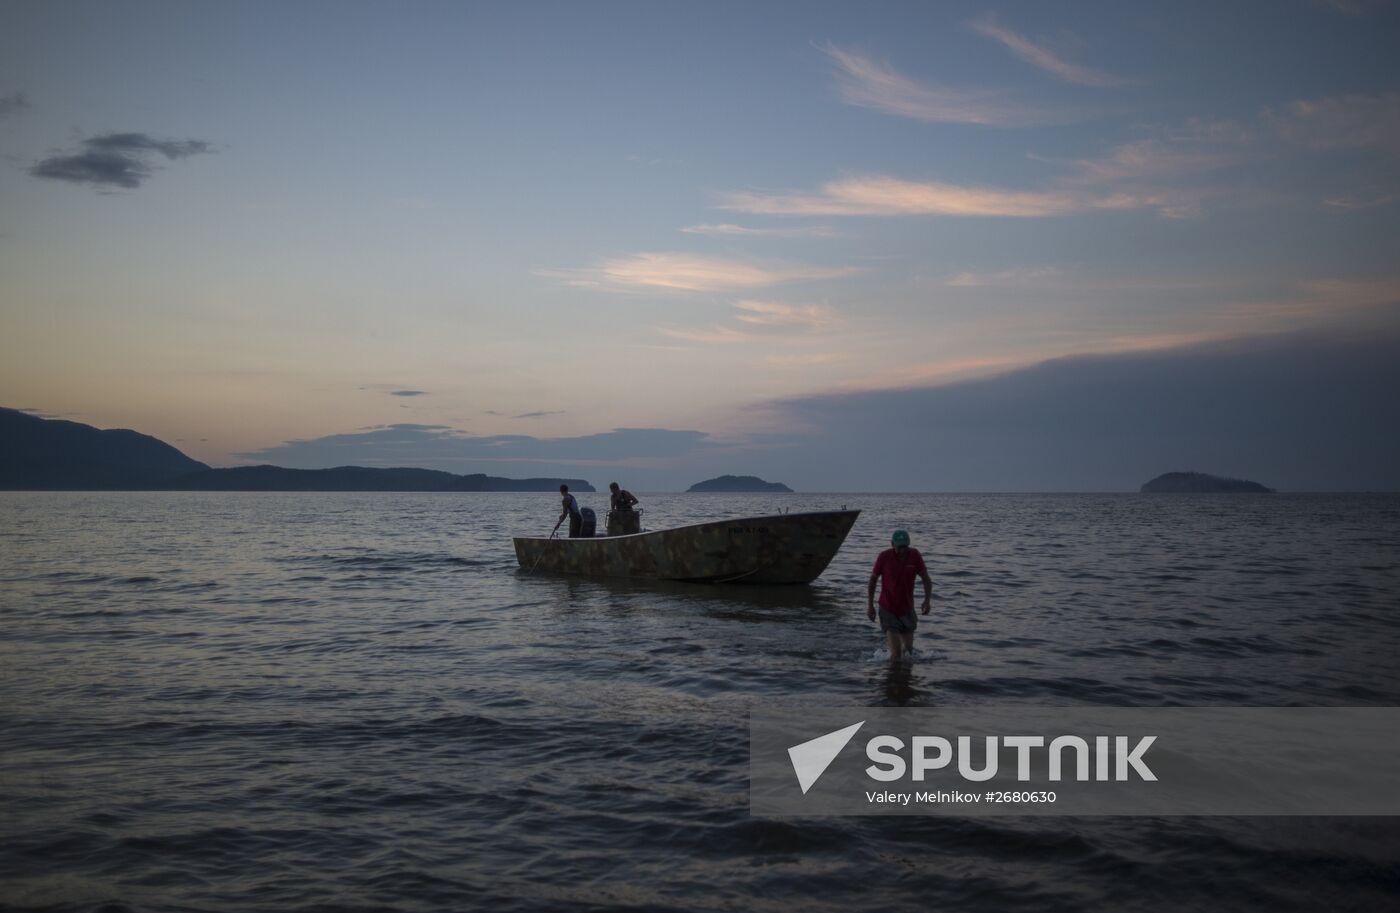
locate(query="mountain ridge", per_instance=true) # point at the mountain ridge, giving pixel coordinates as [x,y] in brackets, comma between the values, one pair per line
[44,454]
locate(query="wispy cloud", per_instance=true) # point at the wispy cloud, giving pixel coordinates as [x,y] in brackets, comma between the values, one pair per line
[1038,56]
[1353,292]
[540,414]
[693,273]
[1359,201]
[1149,174]
[806,360]
[137,143]
[740,231]
[13,104]
[779,314]
[708,335]
[881,195]
[1045,277]
[1158,159]
[1169,172]
[408,392]
[1017,277]
[444,447]
[868,83]
[768,321]
[1341,122]
[115,160]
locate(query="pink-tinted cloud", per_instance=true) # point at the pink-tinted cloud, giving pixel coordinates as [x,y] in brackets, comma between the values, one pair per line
[1039,56]
[871,84]
[728,230]
[693,273]
[1341,122]
[780,314]
[881,195]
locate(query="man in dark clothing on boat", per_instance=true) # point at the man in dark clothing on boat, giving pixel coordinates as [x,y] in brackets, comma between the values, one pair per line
[896,569]
[622,499]
[622,519]
[571,511]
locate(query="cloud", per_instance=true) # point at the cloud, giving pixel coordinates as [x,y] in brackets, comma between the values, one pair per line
[13,104]
[96,168]
[408,392]
[1176,171]
[1341,122]
[729,230]
[1042,277]
[693,273]
[770,321]
[539,414]
[1365,201]
[807,359]
[116,160]
[778,314]
[871,84]
[447,448]
[1167,173]
[881,195]
[129,143]
[1016,277]
[1299,412]
[1037,56]
[1159,159]
[1332,294]
[714,334]
[43,413]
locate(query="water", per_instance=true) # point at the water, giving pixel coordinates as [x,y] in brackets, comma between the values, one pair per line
[236,701]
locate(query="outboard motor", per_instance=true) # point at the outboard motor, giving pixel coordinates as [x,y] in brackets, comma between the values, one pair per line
[590,523]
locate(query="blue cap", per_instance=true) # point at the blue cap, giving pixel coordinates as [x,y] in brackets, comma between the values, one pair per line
[900,537]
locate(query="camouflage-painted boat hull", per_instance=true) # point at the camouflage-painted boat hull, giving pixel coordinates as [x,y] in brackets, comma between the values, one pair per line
[786,548]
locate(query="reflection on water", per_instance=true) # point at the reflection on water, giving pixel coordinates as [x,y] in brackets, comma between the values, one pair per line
[900,684]
[738,597]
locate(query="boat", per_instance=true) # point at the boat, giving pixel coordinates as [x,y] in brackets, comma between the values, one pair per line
[782,548]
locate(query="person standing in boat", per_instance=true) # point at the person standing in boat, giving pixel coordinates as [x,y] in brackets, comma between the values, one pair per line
[622,519]
[622,499]
[895,570]
[571,510]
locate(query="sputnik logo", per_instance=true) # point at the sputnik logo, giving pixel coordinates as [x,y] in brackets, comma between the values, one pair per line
[811,758]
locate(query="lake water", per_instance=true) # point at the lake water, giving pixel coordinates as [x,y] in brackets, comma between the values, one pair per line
[296,702]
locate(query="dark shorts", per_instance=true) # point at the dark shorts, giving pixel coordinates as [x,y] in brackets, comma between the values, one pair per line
[575,525]
[900,624]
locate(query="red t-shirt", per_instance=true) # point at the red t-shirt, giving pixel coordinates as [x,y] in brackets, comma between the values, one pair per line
[897,580]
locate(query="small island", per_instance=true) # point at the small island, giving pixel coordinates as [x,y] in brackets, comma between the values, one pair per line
[737,483]
[1199,483]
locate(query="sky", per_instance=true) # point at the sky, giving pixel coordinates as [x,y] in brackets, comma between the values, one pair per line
[851,247]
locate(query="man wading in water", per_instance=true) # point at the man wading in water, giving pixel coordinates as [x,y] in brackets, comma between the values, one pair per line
[896,568]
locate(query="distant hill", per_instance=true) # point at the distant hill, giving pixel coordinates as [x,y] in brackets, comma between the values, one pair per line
[359,478]
[737,483]
[38,453]
[1199,482]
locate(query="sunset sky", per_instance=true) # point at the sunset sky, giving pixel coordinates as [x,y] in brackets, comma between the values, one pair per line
[830,243]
